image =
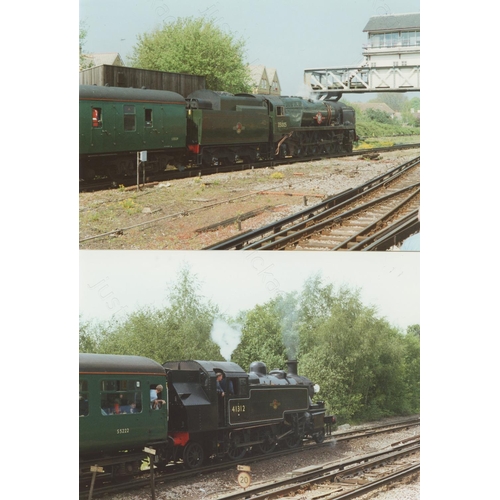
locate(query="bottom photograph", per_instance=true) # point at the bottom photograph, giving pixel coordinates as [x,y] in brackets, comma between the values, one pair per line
[248,374]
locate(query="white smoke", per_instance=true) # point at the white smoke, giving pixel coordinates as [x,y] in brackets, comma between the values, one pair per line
[303,91]
[226,336]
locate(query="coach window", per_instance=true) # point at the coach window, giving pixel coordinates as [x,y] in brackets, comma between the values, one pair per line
[119,397]
[129,117]
[148,118]
[97,117]
[84,398]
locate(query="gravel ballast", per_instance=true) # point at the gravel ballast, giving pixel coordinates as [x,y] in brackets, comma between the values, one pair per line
[172,215]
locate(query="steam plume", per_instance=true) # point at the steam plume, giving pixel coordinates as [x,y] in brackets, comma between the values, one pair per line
[226,336]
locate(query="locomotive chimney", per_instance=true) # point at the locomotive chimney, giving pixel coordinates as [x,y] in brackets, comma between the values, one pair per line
[292,366]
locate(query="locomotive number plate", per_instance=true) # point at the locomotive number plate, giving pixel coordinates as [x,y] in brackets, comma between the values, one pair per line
[123,431]
[238,408]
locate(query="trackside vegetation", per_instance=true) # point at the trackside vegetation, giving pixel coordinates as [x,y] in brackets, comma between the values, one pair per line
[366,368]
[373,124]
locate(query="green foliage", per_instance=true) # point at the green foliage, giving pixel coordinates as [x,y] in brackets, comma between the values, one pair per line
[195,46]
[181,330]
[413,330]
[261,338]
[378,116]
[412,369]
[358,359]
[376,123]
[411,112]
[84,64]
[394,100]
[91,335]
[367,129]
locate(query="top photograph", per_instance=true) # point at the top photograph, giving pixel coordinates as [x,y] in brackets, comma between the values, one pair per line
[249,126]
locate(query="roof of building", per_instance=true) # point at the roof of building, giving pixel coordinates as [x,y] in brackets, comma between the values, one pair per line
[257,72]
[394,22]
[271,73]
[112,58]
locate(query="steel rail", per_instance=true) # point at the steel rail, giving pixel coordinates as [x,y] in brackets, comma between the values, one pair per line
[392,235]
[319,222]
[196,171]
[323,473]
[360,237]
[242,241]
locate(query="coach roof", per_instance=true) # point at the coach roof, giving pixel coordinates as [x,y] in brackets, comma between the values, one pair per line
[111,363]
[99,93]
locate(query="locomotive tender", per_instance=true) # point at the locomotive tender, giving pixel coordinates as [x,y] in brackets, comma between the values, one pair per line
[207,128]
[262,411]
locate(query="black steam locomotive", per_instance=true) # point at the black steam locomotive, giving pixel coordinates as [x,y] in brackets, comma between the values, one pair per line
[260,412]
[121,410]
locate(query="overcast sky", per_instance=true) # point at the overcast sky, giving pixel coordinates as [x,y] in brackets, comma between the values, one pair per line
[120,282]
[289,35]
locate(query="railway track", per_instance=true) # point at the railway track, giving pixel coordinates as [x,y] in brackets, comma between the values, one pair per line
[374,216]
[106,485]
[344,479]
[102,184]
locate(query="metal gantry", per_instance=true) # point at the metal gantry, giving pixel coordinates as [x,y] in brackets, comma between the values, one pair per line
[327,83]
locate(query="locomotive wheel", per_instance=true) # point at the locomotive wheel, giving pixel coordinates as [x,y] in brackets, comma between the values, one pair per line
[293,440]
[235,452]
[300,151]
[319,437]
[268,445]
[87,174]
[193,455]
[283,152]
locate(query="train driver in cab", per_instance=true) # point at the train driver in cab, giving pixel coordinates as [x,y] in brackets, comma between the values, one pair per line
[224,386]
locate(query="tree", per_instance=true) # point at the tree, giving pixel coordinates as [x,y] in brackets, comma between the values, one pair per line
[181,330]
[195,46]
[413,330]
[412,367]
[411,112]
[261,338]
[316,301]
[378,116]
[91,335]
[394,100]
[84,63]
[357,358]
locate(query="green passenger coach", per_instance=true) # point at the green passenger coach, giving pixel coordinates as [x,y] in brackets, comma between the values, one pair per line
[115,409]
[115,123]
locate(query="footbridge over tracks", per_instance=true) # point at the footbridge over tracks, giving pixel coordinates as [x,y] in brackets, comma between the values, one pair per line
[391,61]
[330,83]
